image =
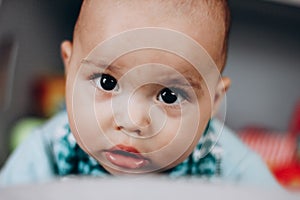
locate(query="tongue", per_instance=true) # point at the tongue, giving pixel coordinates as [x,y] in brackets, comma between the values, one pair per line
[125,161]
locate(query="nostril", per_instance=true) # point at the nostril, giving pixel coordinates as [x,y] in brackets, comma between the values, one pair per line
[119,128]
[138,132]
[129,132]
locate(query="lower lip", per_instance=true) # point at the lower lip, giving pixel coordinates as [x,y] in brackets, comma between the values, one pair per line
[125,161]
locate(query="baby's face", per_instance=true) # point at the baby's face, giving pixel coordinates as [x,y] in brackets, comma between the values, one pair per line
[143,110]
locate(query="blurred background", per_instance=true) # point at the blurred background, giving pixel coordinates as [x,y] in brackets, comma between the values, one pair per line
[263,103]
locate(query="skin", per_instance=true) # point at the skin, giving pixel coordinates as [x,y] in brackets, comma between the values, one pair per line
[101,119]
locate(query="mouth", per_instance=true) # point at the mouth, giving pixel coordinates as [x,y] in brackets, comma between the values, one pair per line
[126,157]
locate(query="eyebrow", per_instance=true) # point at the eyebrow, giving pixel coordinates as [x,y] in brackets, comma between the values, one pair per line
[190,81]
[187,81]
[103,65]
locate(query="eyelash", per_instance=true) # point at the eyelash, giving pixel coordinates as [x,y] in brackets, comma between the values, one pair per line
[96,76]
[177,89]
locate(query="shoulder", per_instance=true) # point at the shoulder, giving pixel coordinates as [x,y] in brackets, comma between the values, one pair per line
[55,123]
[232,146]
[32,160]
[239,163]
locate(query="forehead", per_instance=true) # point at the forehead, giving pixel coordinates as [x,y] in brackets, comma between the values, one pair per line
[162,62]
[99,21]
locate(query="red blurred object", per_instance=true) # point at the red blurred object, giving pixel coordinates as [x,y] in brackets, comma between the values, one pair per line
[49,94]
[280,150]
[295,122]
[289,176]
[277,149]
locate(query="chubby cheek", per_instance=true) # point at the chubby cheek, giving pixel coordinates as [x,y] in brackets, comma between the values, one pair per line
[180,135]
[83,116]
[105,117]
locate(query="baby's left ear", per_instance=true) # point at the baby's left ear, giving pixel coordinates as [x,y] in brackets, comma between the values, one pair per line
[222,87]
[66,53]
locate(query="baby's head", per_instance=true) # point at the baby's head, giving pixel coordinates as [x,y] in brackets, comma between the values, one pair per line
[143,79]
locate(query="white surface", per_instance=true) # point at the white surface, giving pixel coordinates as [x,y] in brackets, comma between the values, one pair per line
[140,188]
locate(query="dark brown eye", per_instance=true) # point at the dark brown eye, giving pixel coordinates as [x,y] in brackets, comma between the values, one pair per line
[168,96]
[106,82]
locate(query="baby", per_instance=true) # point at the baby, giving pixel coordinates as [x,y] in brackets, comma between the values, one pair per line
[143,86]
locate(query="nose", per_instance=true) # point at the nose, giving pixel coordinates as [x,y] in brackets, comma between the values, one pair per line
[131,113]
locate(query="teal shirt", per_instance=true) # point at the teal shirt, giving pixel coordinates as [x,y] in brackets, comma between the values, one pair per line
[33,161]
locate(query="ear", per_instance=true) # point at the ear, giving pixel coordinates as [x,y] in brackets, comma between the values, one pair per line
[222,87]
[66,48]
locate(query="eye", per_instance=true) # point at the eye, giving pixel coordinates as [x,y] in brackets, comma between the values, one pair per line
[105,82]
[170,96]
